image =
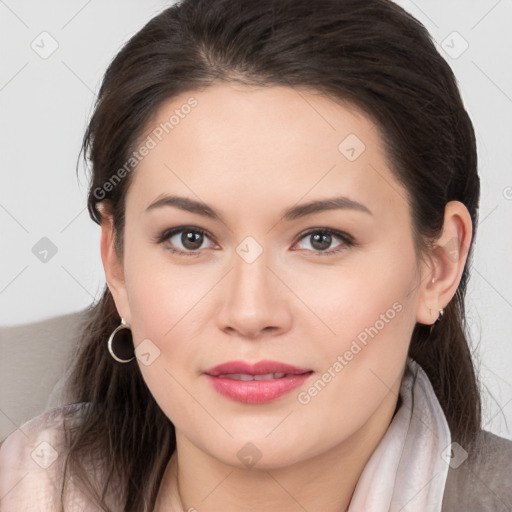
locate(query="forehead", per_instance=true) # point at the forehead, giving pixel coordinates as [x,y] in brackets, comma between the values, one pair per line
[264,145]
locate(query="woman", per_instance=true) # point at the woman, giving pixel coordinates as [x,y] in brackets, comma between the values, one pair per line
[288,196]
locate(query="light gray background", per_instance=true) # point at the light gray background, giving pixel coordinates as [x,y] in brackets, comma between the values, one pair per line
[45,104]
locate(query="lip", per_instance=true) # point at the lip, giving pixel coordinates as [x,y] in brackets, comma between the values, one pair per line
[259,368]
[256,391]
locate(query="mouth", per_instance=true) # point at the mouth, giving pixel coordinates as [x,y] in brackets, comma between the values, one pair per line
[266,368]
[257,383]
[248,376]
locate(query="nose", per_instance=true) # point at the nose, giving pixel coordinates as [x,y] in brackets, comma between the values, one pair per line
[255,302]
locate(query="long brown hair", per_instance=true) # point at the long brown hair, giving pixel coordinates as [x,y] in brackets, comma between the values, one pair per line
[369,52]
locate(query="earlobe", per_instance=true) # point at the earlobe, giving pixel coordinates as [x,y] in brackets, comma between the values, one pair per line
[113,267]
[441,280]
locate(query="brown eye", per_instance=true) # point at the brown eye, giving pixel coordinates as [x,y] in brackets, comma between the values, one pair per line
[184,240]
[191,240]
[322,239]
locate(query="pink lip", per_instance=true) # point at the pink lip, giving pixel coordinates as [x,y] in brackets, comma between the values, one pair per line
[259,368]
[256,392]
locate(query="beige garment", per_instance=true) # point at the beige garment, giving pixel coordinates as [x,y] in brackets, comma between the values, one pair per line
[32,466]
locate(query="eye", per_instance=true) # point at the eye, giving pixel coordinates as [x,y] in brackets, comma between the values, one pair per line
[322,238]
[187,240]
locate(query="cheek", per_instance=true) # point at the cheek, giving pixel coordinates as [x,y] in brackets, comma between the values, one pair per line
[164,307]
[363,360]
[161,293]
[367,313]
[167,304]
[350,299]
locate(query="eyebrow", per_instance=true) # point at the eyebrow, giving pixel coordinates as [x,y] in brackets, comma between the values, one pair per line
[295,212]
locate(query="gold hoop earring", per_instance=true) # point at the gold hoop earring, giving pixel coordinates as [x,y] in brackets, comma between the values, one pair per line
[121,337]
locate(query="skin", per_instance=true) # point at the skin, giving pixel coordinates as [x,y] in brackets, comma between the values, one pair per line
[250,153]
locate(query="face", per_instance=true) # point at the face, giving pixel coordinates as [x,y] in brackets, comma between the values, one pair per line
[331,291]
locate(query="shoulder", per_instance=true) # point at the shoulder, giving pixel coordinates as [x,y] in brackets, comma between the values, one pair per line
[482,481]
[32,460]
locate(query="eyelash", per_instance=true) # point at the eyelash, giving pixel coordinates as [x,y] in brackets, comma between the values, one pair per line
[347,240]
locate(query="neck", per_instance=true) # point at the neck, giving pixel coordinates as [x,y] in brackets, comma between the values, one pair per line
[195,481]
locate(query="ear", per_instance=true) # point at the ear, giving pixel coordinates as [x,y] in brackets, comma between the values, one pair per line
[113,267]
[447,262]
